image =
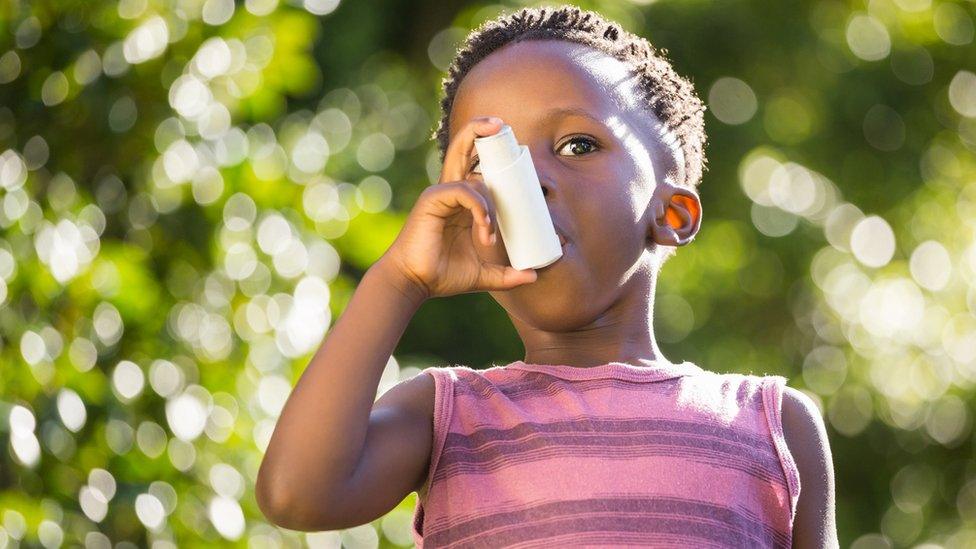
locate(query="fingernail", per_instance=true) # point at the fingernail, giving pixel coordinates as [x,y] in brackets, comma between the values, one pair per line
[495,120]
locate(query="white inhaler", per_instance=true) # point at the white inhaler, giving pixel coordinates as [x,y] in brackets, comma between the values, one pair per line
[520,207]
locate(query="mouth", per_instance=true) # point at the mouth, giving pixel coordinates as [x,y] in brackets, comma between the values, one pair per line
[561,234]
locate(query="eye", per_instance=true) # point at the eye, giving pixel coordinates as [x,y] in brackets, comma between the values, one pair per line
[587,144]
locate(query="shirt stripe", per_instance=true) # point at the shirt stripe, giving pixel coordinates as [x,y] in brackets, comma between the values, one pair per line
[534,455]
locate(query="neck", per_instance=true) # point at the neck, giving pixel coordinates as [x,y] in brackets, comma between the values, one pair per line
[624,332]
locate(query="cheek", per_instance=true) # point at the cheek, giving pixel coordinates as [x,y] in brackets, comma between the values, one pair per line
[615,197]
[612,239]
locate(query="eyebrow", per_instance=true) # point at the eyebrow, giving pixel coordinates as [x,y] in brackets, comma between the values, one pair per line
[552,114]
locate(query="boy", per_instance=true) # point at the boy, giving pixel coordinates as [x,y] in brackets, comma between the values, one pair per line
[616,138]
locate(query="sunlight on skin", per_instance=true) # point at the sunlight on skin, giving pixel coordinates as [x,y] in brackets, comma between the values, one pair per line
[606,198]
[615,75]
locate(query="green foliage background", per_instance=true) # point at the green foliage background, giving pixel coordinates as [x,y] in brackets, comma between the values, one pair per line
[191,189]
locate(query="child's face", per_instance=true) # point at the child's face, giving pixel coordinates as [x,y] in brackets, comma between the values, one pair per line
[597,173]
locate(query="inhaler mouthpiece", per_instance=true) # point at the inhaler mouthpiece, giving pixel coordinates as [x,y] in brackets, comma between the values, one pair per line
[523,217]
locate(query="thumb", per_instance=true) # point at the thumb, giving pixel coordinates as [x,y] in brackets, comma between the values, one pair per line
[504,277]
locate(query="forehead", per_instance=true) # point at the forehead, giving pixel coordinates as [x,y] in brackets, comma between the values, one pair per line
[537,75]
[521,80]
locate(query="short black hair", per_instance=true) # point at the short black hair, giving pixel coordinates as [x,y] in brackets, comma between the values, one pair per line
[669,96]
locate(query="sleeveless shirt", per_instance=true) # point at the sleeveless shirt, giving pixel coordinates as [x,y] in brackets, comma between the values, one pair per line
[662,454]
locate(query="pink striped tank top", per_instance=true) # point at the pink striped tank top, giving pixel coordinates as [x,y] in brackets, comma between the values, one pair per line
[663,454]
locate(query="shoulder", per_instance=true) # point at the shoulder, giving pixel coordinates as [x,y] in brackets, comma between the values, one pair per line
[413,396]
[803,426]
[806,437]
[416,394]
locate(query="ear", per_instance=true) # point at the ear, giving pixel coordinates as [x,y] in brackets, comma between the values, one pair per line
[675,214]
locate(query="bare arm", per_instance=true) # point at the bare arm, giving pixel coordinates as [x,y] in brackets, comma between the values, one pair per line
[322,429]
[337,459]
[806,435]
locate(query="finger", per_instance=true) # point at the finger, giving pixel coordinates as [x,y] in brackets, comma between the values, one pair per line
[449,197]
[504,277]
[457,158]
[482,188]
[487,237]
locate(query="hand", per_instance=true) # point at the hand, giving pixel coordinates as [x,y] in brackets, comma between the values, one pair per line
[434,252]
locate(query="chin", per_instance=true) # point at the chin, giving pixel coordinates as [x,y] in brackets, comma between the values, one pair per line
[551,305]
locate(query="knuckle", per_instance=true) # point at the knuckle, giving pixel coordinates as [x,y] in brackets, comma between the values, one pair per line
[460,186]
[480,185]
[478,120]
[475,191]
[434,192]
[475,123]
[481,188]
[455,188]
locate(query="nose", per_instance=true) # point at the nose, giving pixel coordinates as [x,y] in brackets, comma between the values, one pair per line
[548,184]
[542,170]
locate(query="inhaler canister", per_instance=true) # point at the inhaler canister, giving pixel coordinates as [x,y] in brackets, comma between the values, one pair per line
[523,217]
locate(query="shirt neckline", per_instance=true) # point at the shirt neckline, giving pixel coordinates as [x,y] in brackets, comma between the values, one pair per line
[642,370]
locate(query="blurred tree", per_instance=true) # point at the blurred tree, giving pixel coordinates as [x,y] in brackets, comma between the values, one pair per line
[191,189]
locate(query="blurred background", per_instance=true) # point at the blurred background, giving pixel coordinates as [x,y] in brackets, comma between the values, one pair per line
[190,191]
